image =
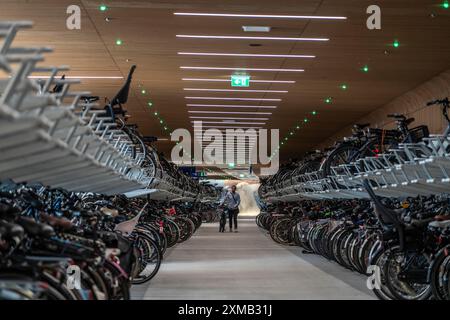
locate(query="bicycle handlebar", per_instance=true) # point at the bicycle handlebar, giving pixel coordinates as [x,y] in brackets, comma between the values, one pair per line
[445,106]
[445,102]
[397,116]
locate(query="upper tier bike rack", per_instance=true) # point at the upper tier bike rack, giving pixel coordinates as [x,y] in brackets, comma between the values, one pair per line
[59,139]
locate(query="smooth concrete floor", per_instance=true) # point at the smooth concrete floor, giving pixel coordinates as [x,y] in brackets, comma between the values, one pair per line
[247,265]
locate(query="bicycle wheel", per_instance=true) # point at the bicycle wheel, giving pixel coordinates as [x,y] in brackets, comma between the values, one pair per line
[396,273]
[343,154]
[380,289]
[150,260]
[439,275]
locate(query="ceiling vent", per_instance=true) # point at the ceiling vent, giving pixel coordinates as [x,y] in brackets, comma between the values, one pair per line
[256,29]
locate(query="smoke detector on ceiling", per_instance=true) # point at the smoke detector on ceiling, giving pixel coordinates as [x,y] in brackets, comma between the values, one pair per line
[256,29]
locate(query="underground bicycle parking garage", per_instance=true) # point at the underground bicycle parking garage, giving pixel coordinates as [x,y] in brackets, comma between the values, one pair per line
[216,151]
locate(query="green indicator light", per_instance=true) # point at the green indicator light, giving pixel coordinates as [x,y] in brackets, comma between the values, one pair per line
[344,86]
[328,100]
[102,7]
[314,113]
[286,139]
[143,91]
[365,68]
[281,144]
[446,5]
[119,42]
[396,44]
[160,121]
[305,120]
[150,104]
[156,113]
[297,127]
[165,128]
[291,133]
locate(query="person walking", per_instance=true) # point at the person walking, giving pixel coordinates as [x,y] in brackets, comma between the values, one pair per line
[232,200]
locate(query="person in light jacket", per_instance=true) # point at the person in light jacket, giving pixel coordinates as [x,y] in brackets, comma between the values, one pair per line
[231,201]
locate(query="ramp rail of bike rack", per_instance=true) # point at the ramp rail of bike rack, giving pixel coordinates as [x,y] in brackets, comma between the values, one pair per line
[59,139]
[411,170]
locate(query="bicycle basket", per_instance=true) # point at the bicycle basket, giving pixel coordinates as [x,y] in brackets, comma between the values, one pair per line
[386,134]
[418,133]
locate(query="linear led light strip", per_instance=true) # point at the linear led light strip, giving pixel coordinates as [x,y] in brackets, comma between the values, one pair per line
[250,137]
[228,80]
[229,112]
[251,142]
[226,127]
[207,143]
[242,69]
[271,16]
[232,123]
[197,36]
[247,55]
[241,146]
[235,90]
[236,99]
[228,106]
[228,118]
[78,77]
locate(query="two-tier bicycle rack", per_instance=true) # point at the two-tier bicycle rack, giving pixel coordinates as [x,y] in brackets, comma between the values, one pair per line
[60,140]
[411,170]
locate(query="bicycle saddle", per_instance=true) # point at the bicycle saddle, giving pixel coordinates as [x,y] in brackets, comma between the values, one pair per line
[409,121]
[122,96]
[397,116]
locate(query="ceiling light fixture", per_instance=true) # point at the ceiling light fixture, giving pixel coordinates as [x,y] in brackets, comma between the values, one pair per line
[235,99]
[225,127]
[227,118]
[228,106]
[79,77]
[229,112]
[253,55]
[228,80]
[242,69]
[272,16]
[232,123]
[250,135]
[196,36]
[235,90]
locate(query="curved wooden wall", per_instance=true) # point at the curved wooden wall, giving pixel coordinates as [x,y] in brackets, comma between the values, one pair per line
[412,104]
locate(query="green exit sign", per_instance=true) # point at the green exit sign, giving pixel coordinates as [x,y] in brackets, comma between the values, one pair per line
[240,81]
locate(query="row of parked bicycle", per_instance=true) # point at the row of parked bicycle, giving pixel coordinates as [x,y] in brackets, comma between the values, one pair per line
[401,162]
[403,244]
[56,244]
